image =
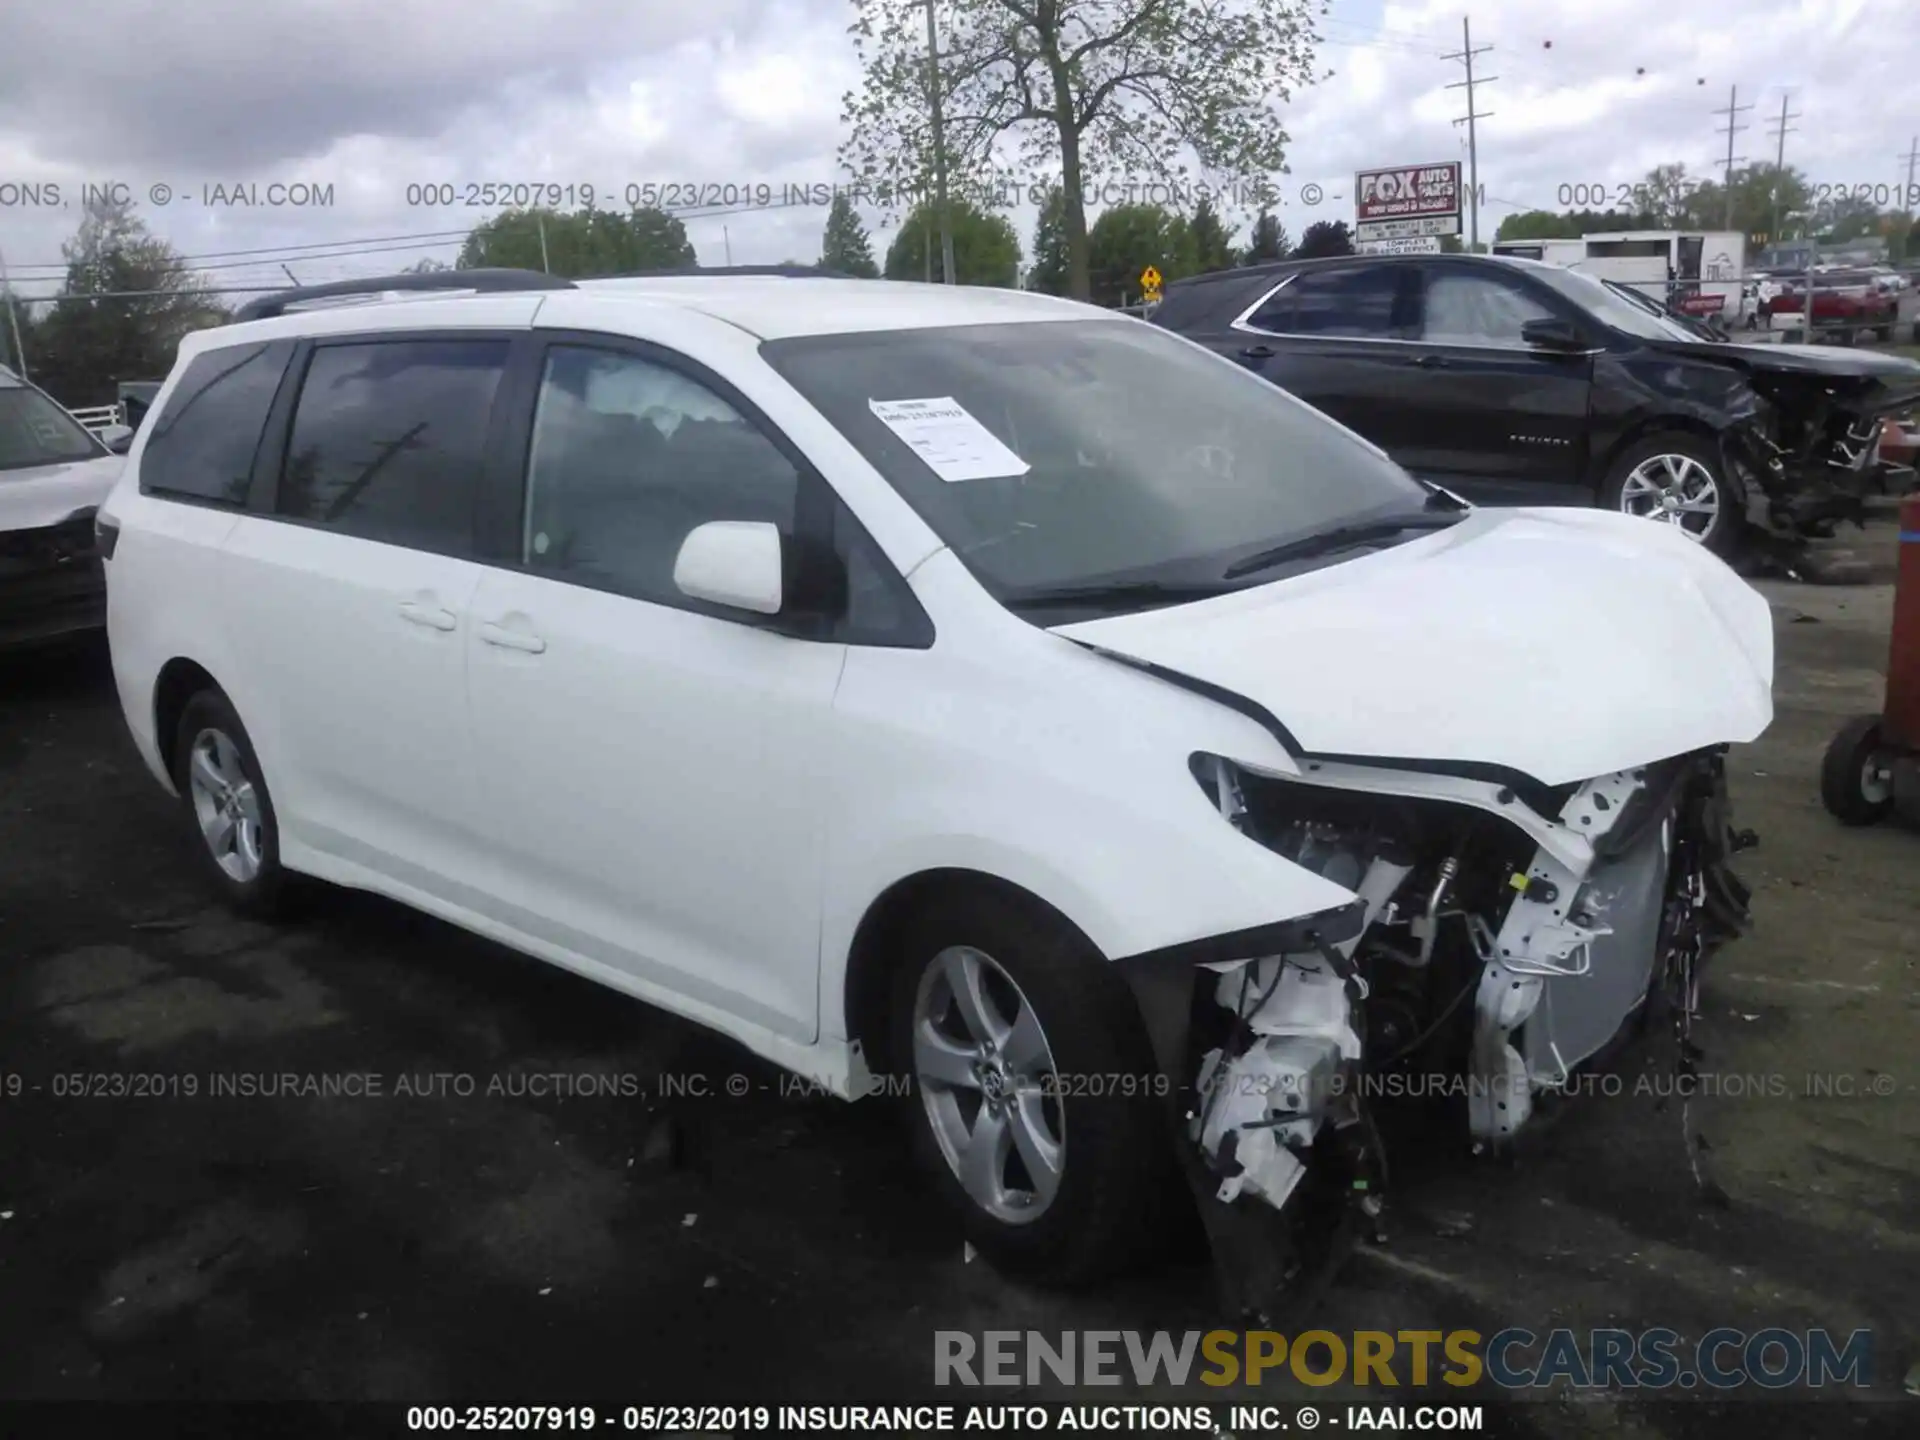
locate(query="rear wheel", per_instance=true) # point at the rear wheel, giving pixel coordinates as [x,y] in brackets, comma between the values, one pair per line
[225,796]
[1035,1109]
[1679,480]
[1856,777]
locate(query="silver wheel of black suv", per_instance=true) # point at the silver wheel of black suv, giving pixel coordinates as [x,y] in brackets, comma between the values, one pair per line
[1678,479]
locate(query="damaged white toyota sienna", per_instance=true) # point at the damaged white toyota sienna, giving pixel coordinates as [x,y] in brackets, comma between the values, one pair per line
[965,687]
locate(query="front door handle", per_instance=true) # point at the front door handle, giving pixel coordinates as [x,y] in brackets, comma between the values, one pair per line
[432,616]
[1257,352]
[512,639]
[1430,362]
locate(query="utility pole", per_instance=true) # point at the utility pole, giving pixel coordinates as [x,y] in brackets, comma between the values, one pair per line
[541,222]
[939,150]
[1733,128]
[13,319]
[1466,54]
[1780,133]
[1913,154]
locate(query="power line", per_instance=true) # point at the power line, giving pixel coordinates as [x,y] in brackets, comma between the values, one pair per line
[1733,109]
[289,251]
[1465,55]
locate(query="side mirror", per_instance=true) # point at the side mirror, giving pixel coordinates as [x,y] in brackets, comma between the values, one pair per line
[1552,334]
[117,438]
[733,562]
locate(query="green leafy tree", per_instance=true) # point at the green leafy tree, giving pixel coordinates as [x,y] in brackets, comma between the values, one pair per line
[1126,239]
[845,246]
[1845,217]
[1537,225]
[1212,246]
[986,251]
[1666,198]
[1267,241]
[1596,222]
[426,266]
[1049,273]
[580,244]
[1090,89]
[85,344]
[1322,238]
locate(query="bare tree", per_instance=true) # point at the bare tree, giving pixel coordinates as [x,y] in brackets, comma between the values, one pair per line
[1093,91]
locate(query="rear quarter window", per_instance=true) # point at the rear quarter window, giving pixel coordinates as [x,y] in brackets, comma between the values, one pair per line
[202,443]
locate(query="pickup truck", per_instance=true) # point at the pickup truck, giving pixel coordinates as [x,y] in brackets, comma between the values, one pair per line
[1843,300]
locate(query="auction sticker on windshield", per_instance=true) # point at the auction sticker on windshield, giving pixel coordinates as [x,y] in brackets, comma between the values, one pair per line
[945,434]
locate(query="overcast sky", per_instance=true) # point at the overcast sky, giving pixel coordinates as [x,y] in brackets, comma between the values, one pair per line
[370,96]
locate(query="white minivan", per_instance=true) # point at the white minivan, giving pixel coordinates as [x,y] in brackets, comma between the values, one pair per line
[969,689]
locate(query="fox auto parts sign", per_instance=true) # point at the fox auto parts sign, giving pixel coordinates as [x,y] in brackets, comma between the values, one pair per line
[1406,201]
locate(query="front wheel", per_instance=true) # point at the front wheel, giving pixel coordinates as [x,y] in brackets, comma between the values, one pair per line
[1856,777]
[1036,1109]
[1678,480]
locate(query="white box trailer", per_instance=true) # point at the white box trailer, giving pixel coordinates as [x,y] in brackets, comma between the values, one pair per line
[1697,272]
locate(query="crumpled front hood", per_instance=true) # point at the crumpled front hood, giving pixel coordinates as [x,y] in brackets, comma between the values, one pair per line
[1562,644]
[1867,380]
[47,494]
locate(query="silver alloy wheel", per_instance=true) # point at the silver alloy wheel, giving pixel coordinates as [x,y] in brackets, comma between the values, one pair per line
[1876,779]
[225,804]
[987,1079]
[1676,489]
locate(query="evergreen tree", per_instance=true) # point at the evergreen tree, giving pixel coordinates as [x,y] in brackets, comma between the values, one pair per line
[845,246]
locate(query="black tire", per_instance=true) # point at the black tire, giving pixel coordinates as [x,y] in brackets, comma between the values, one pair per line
[1725,534]
[1116,1200]
[1883,334]
[270,892]
[1843,774]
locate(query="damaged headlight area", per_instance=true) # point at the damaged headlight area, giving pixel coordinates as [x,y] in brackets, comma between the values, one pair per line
[1807,450]
[1497,942]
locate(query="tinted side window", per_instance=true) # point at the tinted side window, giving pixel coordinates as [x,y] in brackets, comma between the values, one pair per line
[628,456]
[389,439]
[1365,302]
[1467,309]
[202,444]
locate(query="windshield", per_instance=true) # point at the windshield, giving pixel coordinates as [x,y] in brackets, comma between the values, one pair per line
[1697,329]
[1062,453]
[1612,309]
[35,431]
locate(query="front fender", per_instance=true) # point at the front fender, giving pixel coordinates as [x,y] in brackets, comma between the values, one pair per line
[1118,837]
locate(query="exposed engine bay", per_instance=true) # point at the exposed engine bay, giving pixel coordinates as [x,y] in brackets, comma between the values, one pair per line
[1810,454]
[1489,956]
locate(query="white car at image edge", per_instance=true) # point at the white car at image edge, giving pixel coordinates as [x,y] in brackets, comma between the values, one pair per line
[963,686]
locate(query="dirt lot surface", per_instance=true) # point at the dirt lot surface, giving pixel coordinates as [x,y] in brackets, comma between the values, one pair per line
[519,1245]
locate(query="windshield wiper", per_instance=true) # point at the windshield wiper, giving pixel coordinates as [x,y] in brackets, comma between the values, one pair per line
[1150,592]
[1344,537]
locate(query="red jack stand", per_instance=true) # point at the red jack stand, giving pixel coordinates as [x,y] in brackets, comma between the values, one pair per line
[1857,778]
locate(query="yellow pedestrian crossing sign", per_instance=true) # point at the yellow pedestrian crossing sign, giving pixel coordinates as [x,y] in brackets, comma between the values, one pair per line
[1150,282]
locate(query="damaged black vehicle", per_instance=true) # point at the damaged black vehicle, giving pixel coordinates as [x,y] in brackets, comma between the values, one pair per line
[1510,381]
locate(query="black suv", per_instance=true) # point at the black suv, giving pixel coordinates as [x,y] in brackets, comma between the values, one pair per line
[1515,382]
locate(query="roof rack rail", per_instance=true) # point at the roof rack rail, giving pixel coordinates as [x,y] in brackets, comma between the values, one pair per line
[488,281]
[790,272]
